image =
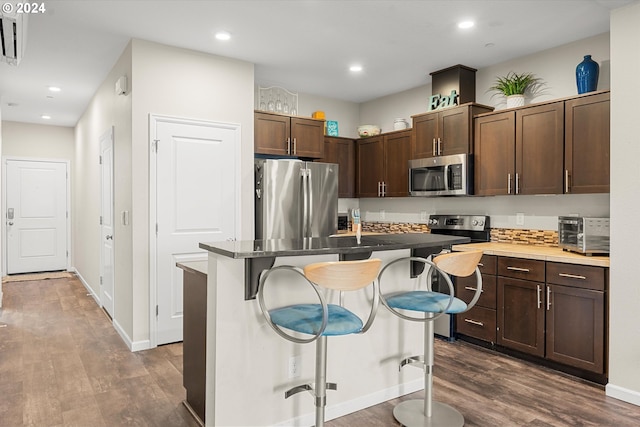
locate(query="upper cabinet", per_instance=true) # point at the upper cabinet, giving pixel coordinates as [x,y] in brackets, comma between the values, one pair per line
[445,132]
[281,135]
[586,152]
[520,151]
[548,148]
[343,152]
[383,165]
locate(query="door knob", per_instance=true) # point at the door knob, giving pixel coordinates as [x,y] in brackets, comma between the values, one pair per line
[109,237]
[10,222]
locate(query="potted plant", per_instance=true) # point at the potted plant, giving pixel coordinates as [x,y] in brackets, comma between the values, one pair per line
[514,86]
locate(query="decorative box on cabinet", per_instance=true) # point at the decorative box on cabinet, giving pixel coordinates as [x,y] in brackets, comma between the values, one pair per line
[520,151]
[343,152]
[480,321]
[586,144]
[281,135]
[444,132]
[383,165]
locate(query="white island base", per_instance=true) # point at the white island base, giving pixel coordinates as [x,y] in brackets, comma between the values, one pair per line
[247,366]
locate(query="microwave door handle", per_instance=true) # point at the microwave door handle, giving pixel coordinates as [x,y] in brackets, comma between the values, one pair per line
[446,177]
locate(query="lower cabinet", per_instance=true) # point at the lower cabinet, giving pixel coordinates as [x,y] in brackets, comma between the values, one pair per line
[551,310]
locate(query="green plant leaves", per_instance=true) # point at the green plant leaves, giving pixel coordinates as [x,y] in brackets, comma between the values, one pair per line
[514,83]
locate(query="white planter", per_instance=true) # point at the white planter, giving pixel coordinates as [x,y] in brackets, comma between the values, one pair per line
[515,101]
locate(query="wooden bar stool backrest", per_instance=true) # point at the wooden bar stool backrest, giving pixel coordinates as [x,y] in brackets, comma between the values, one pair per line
[343,275]
[461,264]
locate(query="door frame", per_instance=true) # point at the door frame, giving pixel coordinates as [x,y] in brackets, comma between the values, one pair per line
[109,133]
[154,119]
[67,164]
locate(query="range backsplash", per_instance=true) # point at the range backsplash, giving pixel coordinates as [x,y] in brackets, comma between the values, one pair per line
[502,235]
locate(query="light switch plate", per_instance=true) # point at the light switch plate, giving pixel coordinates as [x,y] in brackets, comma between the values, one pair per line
[520,218]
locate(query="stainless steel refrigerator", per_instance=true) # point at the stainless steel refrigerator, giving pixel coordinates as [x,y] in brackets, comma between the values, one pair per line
[295,199]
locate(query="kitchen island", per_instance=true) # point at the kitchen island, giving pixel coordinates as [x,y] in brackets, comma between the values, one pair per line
[247,364]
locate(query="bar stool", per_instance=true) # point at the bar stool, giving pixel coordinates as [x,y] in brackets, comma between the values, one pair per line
[320,320]
[426,412]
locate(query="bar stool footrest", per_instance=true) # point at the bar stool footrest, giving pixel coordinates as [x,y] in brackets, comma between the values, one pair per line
[413,360]
[307,387]
[410,413]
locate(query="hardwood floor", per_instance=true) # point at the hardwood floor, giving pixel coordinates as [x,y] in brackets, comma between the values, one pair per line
[63,364]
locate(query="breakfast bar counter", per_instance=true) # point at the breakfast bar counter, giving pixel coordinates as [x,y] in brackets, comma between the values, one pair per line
[248,365]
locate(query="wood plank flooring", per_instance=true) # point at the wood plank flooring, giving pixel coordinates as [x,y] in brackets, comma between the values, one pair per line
[63,364]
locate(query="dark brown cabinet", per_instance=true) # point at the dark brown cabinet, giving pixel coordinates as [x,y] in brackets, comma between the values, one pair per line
[445,132]
[343,152]
[281,135]
[520,151]
[575,315]
[553,310]
[382,164]
[520,305]
[587,137]
[480,321]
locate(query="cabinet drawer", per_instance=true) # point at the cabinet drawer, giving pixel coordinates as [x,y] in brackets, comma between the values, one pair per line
[487,264]
[465,289]
[580,276]
[479,322]
[519,268]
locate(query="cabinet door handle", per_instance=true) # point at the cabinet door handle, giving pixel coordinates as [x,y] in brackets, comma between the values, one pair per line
[379,189]
[572,276]
[566,180]
[509,184]
[289,146]
[524,270]
[469,288]
[474,322]
[539,292]
[384,189]
[548,297]
[433,148]
[295,147]
[517,183]
[439,147]
[480,264]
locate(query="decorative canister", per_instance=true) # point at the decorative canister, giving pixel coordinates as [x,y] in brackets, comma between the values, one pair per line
[400,124]
[587,75]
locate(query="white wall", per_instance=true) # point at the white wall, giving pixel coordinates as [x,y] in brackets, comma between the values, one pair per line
[182,83]
[624,295]
[557,68]
[38,141]
[346,113]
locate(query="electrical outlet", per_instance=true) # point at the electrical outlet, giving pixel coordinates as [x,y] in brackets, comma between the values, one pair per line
[423,216]
[519,218]
[382,214]
[294,366]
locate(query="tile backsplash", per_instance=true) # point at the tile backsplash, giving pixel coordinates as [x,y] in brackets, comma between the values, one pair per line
[502,235]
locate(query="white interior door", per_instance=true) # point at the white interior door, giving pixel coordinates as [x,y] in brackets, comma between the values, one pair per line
[106,223]
[36,216]
[196,202]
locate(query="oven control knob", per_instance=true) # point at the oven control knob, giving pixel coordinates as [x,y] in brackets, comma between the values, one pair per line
[474,222]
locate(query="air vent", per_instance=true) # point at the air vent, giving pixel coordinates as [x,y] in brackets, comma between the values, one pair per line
[12,37]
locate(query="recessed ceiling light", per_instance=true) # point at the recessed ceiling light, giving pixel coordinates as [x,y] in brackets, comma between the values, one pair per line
[54,89]
[466,24]
[355,68]
[223,35]
[46,117]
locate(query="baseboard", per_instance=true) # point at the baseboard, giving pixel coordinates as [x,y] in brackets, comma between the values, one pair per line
[132,345]
[624,394]
[358,404]
[95,296]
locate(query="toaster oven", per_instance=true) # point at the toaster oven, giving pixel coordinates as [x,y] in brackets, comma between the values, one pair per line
[583,235]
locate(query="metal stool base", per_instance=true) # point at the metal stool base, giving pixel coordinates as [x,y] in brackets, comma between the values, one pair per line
[410,413]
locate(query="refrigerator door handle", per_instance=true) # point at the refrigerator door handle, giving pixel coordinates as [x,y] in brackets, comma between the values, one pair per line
[310,204]
[305,202]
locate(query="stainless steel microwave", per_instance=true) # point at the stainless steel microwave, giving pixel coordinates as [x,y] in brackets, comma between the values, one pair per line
[441,176]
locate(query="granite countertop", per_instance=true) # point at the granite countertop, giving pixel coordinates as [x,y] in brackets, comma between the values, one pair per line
[328,245]
[544,253]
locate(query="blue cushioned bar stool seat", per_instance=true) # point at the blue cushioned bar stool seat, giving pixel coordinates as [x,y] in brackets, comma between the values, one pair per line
[317,321]
[422,299]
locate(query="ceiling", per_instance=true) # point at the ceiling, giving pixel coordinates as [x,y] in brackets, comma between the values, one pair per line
[305,46]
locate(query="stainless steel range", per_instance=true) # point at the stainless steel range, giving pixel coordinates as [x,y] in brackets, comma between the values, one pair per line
[475,227]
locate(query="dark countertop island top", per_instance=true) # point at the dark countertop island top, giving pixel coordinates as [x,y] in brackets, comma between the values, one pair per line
[329,245]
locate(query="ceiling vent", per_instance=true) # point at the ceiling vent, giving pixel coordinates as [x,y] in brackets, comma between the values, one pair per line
[13,32]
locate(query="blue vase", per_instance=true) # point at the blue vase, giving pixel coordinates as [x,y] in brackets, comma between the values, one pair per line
[587,75]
